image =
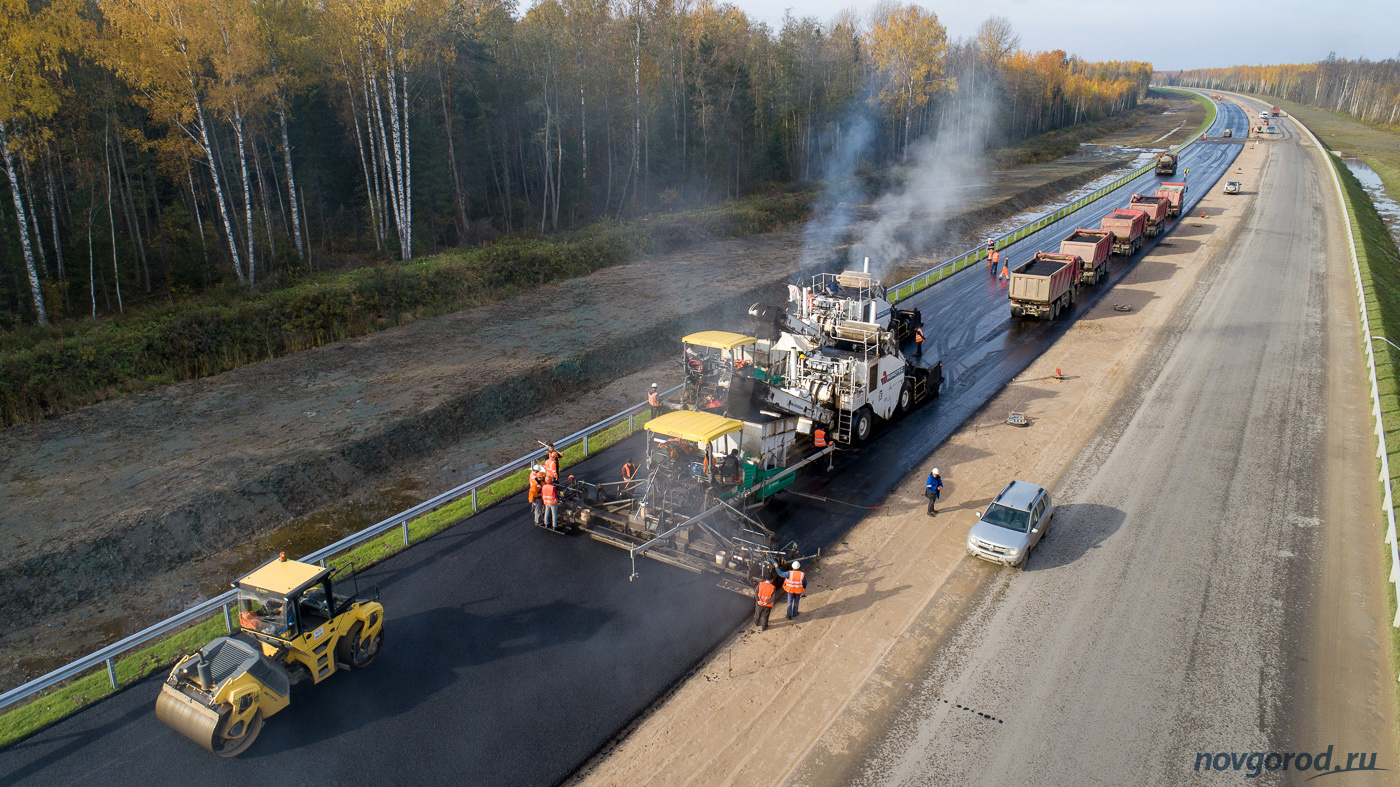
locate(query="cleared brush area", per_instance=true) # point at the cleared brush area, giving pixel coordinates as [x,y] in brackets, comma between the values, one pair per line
[48,371]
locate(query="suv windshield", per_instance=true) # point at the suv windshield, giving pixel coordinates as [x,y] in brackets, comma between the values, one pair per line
[1009,518]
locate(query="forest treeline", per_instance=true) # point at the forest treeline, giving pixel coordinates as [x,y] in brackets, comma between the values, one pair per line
[156,148]
[1365,89]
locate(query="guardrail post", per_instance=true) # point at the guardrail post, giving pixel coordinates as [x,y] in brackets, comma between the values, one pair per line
[631,423]
[405,534]
[585,444]
[112,674]
[475,507]
[228,619]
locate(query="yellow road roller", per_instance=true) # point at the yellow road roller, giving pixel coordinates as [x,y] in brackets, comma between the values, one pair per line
[294,627]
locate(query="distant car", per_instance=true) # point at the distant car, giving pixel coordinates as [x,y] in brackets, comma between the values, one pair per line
[1014,522]
[1232,187]
[1229,132]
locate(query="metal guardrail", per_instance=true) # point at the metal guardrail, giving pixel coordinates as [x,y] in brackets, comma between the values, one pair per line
[1382,452]
[109,654]
[922,281]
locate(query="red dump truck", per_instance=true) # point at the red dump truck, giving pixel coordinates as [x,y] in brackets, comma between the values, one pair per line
[1092,247]
[1127,227]
[1156,210]
[1166,164]
[1045,286]
[1175,194]
[1275,111]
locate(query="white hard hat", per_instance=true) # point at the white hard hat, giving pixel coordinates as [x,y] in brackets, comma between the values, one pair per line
[653,385]
[796,565]
[935,471]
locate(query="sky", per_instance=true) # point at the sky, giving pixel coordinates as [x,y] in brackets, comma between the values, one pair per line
[1171,35]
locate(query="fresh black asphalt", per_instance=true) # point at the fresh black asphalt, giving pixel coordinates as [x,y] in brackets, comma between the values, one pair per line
[513,654]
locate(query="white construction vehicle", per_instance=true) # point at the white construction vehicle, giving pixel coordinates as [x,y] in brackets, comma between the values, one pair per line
[833,358]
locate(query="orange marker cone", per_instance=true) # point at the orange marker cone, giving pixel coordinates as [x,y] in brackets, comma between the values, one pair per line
[1058,374]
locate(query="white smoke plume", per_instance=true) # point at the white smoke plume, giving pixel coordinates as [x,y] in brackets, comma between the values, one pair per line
[841,191]
[946,175]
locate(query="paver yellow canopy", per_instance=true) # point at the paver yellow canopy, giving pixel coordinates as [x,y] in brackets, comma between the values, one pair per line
[293,627]
[719,340]
[694,427]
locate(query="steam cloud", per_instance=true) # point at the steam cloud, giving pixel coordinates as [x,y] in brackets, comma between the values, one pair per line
[946,171]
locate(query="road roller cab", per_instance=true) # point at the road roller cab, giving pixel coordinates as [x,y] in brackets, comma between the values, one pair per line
[293,627]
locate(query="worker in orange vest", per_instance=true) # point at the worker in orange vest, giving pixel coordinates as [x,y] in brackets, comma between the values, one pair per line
[654,399]
[551,468]
[549,495]
[763,603]
[794,582]
[629,469]
[536,481]
[1006,270]
[992,260]
[819,437]
[918,342]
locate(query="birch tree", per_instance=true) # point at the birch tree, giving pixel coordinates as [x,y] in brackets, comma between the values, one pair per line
[30,61]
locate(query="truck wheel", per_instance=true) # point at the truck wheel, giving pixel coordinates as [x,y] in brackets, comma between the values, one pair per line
[906,399]
[864,423]
[357,650]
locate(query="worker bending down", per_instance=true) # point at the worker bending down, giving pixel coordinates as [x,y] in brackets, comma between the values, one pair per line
[794,582]
[763,603]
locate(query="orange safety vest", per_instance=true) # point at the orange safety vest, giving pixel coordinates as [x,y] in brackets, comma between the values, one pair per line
[765,593]
[653,399]
[819,436]
[534,487]
[629,469]
[919,335]
[996,257]
[551,468]
[793,583]
[549,495]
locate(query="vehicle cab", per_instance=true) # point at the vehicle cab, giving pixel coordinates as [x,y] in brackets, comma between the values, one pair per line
[711,359]
[290,608]
[1014,522]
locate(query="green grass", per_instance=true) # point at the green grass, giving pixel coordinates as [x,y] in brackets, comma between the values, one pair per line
[25,720]
[1378,146]
[1379,261]
[931,278]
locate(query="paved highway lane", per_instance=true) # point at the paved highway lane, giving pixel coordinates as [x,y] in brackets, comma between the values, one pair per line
[512,654]
[1177,608]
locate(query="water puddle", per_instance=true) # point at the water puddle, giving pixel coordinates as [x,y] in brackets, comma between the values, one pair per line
[1387,207]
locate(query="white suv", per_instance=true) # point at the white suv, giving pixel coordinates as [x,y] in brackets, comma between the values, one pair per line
[1014,522]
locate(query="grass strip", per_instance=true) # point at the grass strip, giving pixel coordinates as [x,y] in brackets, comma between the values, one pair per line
[1379,261]
[58,703]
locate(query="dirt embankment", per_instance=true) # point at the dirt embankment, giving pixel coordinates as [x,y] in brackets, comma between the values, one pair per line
[121,513]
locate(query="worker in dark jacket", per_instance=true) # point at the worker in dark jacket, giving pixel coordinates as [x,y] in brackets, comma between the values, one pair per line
[794,583]
[932,490]
[763,603]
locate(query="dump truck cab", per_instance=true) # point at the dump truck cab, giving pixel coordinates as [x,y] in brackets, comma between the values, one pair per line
[292,627]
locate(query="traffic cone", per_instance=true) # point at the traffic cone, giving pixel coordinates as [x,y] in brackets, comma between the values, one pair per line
[1058,374]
